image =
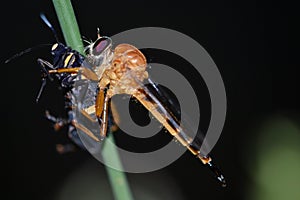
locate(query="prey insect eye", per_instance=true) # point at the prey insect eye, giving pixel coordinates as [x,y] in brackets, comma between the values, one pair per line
[58,49]
[101,45]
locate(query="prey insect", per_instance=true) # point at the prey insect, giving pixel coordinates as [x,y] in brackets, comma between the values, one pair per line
[67,67]
[67,63]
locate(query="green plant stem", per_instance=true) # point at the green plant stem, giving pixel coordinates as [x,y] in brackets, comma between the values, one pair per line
[67,20]
[117,179]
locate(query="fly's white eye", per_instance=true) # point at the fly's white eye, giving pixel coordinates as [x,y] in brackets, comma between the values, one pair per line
[101,45]
[54,47]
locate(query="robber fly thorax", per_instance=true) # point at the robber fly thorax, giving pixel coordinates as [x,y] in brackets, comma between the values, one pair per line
[115,67]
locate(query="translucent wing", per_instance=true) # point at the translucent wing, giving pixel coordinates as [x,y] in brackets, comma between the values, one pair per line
[158,104]
[83,100]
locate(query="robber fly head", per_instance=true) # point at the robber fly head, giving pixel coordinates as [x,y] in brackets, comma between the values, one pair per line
[99,51]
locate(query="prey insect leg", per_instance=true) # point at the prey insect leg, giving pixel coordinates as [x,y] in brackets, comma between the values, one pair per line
[44,63]
[45,75]
[58,122]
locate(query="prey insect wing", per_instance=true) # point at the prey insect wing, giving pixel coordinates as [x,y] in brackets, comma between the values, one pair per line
[86,97]
[67,79]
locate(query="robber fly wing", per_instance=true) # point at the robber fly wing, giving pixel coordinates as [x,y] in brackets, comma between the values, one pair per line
[156,101]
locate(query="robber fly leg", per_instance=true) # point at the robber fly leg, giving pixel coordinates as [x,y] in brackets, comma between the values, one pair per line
[114,118]
[103,127]
[75,70]
[101,107]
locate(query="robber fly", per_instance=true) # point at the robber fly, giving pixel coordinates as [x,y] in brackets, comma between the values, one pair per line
[122,70]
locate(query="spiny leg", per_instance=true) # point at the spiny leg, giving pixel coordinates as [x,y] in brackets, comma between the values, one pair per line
[103,128]
[85,130]
[73,134]
[101,106]
[86,113]
[115,117]
[75,70]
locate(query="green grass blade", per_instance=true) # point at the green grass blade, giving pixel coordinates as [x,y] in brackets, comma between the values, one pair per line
[68,24]
[120,186]
[117,179]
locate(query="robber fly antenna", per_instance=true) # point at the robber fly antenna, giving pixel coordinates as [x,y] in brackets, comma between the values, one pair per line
[46,21]
[98,33]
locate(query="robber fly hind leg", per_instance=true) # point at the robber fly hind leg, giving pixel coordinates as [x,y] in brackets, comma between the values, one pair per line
[102,110]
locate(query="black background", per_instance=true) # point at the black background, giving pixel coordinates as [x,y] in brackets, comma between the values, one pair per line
[252,43]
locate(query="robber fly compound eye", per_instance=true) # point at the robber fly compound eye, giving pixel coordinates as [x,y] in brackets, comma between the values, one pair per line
[100,51]
[101,45]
